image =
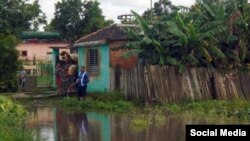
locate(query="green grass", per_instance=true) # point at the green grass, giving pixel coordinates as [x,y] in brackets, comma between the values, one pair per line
[12,118]
[213,111]
[214,108]
[50,102]
[142,117]
[113,102]
[142,121]
[44,80]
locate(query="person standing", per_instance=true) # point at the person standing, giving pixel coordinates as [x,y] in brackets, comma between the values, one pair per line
[82,82]
[22,78]
[59,72]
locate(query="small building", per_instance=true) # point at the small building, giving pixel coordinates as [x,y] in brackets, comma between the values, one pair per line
[36,46]
[98,53]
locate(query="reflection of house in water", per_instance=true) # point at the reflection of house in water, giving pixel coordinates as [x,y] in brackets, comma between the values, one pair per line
[43,118]
[82,127]
[59,125]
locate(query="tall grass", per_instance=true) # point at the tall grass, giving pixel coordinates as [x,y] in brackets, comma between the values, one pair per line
[12,118]
[214,108]
[112,102]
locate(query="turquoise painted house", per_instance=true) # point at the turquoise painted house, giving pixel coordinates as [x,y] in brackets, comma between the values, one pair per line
[103,63]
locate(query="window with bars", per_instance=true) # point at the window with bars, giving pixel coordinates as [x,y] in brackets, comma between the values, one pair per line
[93,62]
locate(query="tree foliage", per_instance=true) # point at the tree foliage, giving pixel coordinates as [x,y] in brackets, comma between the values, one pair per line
[75,18]
[19,15]
[15,16]
[12,117]
[9,62]
[161,9]
[211,34]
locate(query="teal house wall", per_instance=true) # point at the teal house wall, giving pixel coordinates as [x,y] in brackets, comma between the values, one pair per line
[100,83]
[55,52]
[103,120]
[105,40]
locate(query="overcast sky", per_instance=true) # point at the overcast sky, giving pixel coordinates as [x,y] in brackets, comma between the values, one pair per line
[112,8]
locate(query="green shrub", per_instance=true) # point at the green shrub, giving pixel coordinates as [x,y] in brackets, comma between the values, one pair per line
[212,108]
[12,118]
[113,96]
[110,104]
[9,63]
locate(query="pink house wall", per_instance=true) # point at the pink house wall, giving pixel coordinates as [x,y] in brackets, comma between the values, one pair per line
[39,49]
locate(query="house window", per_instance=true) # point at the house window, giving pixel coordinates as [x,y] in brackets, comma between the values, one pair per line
[24,53]
[93,62]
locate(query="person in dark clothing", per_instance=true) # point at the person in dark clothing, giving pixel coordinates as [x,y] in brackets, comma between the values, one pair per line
[58,73]
[58,61]
[82,81]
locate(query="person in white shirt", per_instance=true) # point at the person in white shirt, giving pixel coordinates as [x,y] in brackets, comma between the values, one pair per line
[82,81]
[22,78]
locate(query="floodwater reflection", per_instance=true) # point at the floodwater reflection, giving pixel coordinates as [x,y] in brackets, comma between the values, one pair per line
[53,124]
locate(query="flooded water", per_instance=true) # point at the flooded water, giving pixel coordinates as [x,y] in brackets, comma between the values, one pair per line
[53,124]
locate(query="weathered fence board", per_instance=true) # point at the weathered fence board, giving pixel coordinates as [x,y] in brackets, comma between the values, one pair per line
[166,84]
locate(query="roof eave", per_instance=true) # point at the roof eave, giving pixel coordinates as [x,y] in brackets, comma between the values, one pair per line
[90,43]
[60,47]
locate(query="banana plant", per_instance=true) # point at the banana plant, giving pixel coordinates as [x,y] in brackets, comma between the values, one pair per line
[240,27]
[147,46]
[212,33]
[197,47]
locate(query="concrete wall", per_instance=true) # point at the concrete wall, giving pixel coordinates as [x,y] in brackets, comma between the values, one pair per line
[101,82]
[109,60]
[39,50]
[30,83]
[55,52]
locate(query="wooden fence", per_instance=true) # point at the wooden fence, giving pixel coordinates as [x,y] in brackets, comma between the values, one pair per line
[166,84]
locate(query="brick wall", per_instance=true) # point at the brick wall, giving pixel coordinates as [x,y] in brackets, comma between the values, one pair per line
[117,59]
